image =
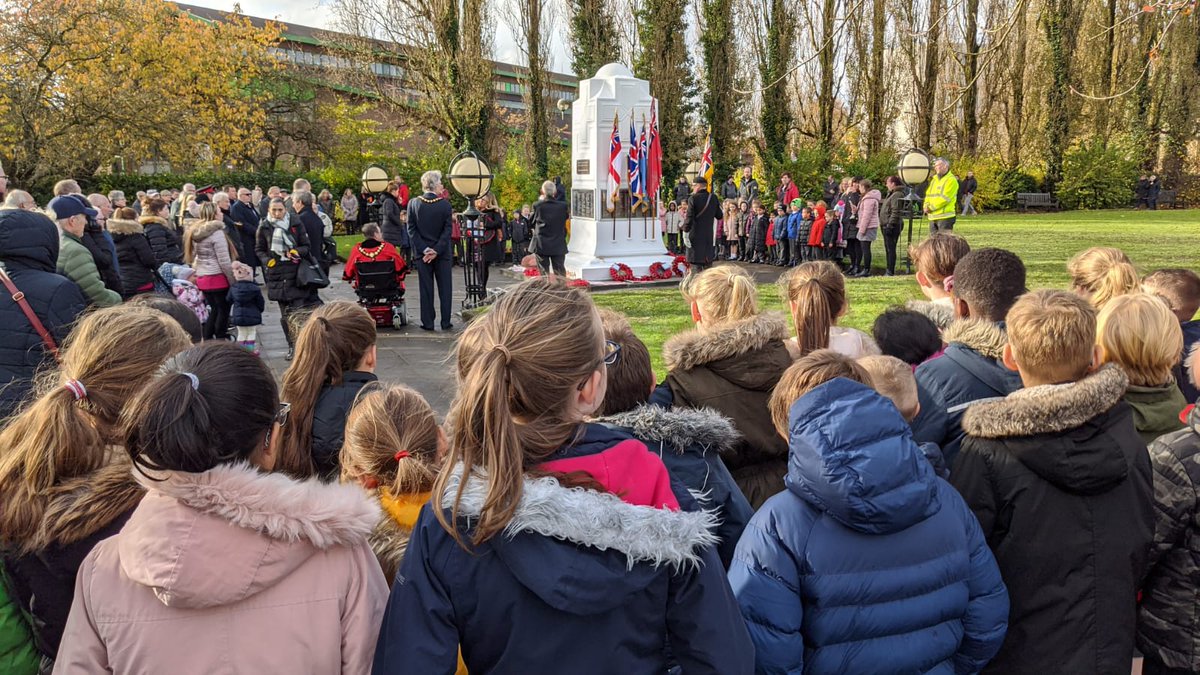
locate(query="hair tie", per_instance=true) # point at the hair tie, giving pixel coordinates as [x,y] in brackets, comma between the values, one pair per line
[948,283]
[503,350]
[76,388]
[401,455]
[194,380]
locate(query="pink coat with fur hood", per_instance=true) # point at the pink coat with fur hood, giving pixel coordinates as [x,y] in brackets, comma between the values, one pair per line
[231,571]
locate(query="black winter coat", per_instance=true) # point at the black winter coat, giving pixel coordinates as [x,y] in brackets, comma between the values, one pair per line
[134,254]
[1061,484]
[329,420]
[315,229]
[891,212]
[164,240]
[703,211]
[29,253]
[681,192]
[247,302]
[549,228]
[245,218]
[733,369]
[280,272]
[493,225]
[394,231]
[102,250]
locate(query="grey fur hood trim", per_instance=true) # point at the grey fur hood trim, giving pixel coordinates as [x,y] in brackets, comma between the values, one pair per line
[696,348]
[678,428]
[982,335]
[596,519]
[1047,409]
[389,541]
[941,315]
[117,226]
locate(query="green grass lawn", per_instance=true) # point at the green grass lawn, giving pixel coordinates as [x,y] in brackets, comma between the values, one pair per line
[1044,241]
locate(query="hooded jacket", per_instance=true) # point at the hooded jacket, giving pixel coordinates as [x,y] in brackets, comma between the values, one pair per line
[28,252]
[247,304]
[1155,409]
[733,369]
[868,216]
[135,256]
[231,570]
[76,263]
[394,231]
[584,580]
[1168,629]
[867,563]
[329,420]
[1061,484]
[164,240]
[81,512]
[210,247]
[690,443]
[969,371]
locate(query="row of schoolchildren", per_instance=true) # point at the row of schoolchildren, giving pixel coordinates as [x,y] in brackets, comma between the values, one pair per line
[864,561]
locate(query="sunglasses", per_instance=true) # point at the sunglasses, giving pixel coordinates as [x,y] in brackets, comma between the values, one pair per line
[612,355]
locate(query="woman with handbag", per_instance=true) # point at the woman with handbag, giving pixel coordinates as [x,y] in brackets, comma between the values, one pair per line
[210,252]
[280,246]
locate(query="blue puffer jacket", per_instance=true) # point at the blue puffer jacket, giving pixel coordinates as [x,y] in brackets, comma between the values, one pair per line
[867,563]
[793,225]
[29,252]
[580,582]
[968,372]
[781,223]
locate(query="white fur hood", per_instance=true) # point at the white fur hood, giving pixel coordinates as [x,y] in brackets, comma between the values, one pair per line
[678,429]
[217,537]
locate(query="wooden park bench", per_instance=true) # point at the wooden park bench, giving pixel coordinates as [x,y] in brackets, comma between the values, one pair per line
[1045,200]
[1170,197]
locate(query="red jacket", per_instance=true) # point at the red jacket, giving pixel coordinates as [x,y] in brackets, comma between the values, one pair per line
[817,233]
[374,251]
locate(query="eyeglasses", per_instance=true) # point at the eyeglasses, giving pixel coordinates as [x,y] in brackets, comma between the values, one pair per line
[612,356]
[281,417]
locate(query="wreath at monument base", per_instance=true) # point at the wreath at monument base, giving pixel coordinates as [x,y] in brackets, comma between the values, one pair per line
[680,266]
[621,272]
[531,272]
[578,283]
[659,272]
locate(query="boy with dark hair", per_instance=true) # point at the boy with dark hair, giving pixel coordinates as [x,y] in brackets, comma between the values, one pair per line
[986,283]
[1061,484]
[1180,288]
[907,335]
[689,442]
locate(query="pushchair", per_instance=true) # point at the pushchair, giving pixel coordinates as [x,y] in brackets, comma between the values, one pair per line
[380,289]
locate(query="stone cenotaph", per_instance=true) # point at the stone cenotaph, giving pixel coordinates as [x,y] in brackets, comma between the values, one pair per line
[601,238]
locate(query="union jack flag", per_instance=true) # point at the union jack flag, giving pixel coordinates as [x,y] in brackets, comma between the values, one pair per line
[634,169]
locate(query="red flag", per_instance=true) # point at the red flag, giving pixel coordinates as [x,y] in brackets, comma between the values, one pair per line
[654,177]
[614,175]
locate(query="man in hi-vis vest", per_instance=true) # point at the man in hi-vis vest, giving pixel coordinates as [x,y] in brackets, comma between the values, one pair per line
[941,197]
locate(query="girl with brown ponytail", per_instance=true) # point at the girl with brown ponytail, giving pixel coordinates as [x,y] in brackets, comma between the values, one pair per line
[816,296]
[551,543]
[65,481]
[335,359]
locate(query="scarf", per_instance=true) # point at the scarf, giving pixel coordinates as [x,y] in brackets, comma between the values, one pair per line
[281,239]
[403,509]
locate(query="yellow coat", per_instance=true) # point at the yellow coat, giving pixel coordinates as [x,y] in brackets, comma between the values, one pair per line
[941,197]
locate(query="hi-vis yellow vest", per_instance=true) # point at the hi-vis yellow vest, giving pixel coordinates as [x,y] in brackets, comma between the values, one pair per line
[941,198]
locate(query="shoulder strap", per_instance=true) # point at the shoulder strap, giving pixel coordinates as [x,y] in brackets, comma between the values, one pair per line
[19,298]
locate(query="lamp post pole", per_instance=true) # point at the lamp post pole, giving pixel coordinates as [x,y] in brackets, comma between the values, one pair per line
[471,177]
[914,169]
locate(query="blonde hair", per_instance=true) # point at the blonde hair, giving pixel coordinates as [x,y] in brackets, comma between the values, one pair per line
[1052,334]
[519,366]
[189,240]
[937,256]
[806,374]
[723,294]
[67,430]
[894,380]
[1141,334]
[384,422]
[1102,273]
[332,342]
[816,292]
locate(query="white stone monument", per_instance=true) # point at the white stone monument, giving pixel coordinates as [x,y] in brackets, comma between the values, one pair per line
[600,239]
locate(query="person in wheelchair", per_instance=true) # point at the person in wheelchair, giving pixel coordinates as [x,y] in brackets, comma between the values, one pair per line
[373,249]
[376,270]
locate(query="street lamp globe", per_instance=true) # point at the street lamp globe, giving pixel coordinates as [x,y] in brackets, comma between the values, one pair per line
[470,176]
[374,179]
[914,167]
[691,171]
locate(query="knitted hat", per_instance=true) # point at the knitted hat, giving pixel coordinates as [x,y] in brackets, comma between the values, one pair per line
[797,203]
[242,272]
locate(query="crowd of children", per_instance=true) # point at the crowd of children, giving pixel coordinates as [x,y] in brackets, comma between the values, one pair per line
[994,480]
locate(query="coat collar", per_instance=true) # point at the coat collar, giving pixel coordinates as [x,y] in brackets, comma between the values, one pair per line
[273,504]
[201,231]
[696,348]
[678,428]
[595,519]
[1047,409]
[155,220]
[981,335]
[117,226]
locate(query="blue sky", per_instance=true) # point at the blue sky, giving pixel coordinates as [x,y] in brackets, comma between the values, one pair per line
[317,14]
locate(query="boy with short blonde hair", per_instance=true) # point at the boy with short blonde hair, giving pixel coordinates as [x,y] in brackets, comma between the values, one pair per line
[1061,484]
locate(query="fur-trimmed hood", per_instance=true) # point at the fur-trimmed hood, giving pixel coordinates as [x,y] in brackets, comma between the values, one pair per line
[80,507]
[981,335]
[215,538]
[155,220]
[1069,434]
[686,351]
[116,226]
[643,534]
[199,230]
[941,315]
[678,429]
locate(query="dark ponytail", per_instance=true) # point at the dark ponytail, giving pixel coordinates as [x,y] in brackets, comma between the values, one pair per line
[211,404]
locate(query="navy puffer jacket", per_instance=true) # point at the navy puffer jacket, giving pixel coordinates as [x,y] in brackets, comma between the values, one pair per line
[29,253]
[867,563]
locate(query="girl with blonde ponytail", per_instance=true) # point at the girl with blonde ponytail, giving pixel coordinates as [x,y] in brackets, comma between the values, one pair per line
[64,480]
[816,295]
[550,542]
[1101,273]
[730,363]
